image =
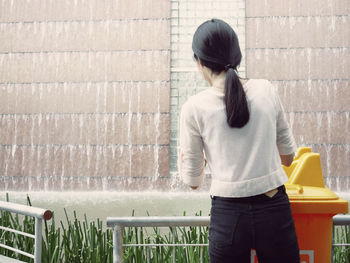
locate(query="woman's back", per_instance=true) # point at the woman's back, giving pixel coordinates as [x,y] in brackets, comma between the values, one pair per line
[243,161]
[243,131]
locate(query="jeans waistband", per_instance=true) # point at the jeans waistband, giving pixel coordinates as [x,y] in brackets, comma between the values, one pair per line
[249,199]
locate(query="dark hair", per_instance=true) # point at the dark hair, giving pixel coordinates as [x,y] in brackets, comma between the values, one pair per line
[216,45]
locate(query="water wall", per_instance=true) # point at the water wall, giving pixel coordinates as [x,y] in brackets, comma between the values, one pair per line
[86,91]
[303,47]
[84,88]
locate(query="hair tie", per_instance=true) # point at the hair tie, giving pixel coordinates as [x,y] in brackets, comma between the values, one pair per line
[228,66]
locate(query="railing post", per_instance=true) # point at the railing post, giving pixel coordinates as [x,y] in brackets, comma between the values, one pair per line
[38,239]
[173,237]
[118,256]
[147,254]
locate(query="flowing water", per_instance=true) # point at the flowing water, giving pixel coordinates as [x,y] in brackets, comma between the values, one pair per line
[53,144]
[107,204]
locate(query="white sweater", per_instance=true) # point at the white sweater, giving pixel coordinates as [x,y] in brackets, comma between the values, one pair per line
[243,162]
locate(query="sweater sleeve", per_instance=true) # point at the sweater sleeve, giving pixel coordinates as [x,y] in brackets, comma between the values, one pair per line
[285,140]
[190,152]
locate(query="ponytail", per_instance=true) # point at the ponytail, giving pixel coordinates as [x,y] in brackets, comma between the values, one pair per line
[215,44]
[235,99]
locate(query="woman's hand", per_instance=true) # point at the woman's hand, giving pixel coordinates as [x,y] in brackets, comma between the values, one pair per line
[287,159]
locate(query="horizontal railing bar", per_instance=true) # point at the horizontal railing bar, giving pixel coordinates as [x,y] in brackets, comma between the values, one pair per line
[165,245]
[341,220]
[17,251]
[17,232]
[151,221]
[194,245]
[341,245]
[26,210]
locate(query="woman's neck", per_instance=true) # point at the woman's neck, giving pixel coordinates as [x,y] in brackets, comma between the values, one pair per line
[218,81]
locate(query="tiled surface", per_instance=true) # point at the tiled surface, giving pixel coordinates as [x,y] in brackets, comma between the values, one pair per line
[296,32]
[256,8]
[78,99]
[314,95]
[299,64]
[42,10]
[84,66]
[320,127]
[85,97]
[303,47]
[84,89]
[101,35]
[84,160]
[84,129]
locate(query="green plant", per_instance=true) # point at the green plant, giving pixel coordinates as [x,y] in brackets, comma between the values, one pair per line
[168,236]
[84,242]
[341,254]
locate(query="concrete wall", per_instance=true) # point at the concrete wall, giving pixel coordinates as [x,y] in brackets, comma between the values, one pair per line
[84,88]
[303,47]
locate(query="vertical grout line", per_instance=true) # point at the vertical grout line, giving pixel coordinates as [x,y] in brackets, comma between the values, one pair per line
[184,80]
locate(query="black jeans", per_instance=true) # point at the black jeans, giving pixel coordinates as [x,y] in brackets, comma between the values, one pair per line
[263,223]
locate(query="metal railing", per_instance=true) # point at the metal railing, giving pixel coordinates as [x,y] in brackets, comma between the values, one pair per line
[340,220]
[118,224]
[39,215]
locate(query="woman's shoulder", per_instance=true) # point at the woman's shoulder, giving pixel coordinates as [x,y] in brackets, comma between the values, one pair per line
[198,98]
[199,103]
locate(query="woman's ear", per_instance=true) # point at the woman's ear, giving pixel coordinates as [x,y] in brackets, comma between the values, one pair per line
[199,64]
[205,72]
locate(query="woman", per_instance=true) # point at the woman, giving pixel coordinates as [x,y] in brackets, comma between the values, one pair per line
[240,127]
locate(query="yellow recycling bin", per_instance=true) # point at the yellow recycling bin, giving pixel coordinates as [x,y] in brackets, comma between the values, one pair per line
[313,207]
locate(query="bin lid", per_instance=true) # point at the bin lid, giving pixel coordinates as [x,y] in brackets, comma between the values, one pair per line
[299,192]
[306,188]
[315,200]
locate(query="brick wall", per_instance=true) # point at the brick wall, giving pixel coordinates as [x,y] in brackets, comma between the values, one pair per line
[84,88]
[303,47]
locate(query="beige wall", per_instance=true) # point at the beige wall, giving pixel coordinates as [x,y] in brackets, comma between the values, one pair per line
[84,88]
[303,47]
